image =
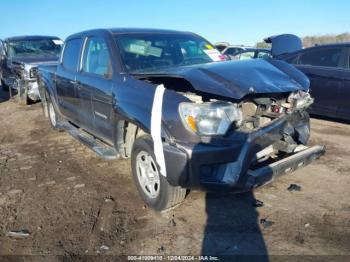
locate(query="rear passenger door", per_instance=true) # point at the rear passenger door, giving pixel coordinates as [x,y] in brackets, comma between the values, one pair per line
[66,79]
[95,88]
[323,66]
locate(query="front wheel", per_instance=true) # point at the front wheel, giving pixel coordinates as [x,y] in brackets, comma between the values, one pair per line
[153,187]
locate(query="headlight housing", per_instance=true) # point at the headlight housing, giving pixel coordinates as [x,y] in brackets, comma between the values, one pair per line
[29,71]
[300,100]
[33,72]
[212,118]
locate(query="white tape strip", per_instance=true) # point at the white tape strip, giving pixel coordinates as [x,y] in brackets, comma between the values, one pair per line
[156,128]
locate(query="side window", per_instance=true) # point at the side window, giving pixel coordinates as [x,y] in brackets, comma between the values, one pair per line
[263,54]
[247,55]
[71,54]
[232,51]
[292,59]
[329,57]
[96,57]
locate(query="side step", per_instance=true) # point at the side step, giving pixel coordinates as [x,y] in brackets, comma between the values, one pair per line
[103,150]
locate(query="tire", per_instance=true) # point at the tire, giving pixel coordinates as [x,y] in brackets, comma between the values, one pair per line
[54,118]
[161,195]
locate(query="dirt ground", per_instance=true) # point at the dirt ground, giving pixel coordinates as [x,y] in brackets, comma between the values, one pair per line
[73,203]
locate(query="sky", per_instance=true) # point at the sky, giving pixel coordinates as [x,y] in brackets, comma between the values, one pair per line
[234,21]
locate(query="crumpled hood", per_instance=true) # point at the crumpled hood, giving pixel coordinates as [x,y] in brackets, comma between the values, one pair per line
[236,79]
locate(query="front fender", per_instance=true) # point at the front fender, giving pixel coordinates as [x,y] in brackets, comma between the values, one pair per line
[47,86]
[133,100]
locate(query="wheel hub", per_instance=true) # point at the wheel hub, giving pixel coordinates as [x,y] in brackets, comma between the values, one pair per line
[148,174]
[52,114]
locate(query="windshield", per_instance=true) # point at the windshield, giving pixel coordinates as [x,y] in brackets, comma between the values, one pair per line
[146,53]
[37,48]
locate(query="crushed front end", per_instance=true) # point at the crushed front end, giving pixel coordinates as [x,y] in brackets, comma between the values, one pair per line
[267,137]
[24,81]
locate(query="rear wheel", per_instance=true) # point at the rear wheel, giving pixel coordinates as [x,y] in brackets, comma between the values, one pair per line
[54,117]
[153,187]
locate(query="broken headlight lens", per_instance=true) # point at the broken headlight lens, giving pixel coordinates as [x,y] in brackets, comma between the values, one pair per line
[300,100]
[212,118]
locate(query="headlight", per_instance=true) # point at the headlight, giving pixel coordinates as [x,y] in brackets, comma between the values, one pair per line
[300,100]
[213,118]
[33,72]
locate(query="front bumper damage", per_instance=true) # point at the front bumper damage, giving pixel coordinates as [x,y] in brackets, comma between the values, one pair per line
[286,165]
[230,164]
[29,87]
[32,90]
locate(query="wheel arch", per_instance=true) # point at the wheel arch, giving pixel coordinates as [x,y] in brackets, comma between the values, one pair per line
[126,132]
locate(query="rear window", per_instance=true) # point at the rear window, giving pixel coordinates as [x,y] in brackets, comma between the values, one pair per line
[329,57]
[71,54]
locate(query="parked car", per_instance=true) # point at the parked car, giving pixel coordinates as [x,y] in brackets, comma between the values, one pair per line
[19,60]
[232,50]
[328,68]
[186,122]
[221,45]
[243,53]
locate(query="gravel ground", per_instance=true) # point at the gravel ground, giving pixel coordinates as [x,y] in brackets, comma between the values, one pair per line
[69,202]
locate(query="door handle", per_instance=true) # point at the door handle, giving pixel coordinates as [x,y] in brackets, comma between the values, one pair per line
[73,82]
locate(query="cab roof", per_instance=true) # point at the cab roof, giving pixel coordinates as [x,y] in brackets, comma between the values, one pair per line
[30,37]
[115,31]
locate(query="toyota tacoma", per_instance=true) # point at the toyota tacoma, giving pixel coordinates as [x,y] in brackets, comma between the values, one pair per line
[186,118]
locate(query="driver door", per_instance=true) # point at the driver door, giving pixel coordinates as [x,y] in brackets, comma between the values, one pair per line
[95,88]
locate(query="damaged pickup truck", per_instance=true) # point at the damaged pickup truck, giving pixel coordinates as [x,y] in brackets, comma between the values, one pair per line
[186,120]
[19,60]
